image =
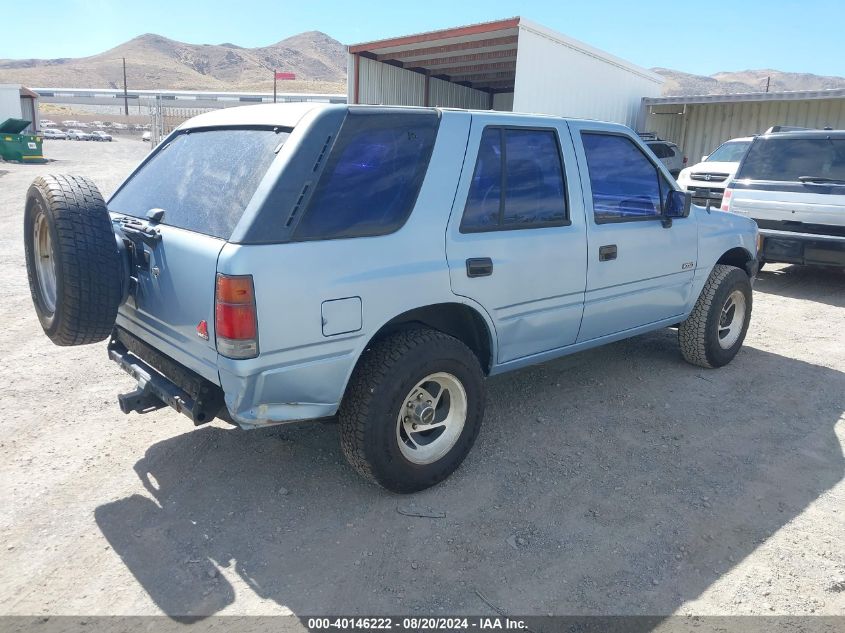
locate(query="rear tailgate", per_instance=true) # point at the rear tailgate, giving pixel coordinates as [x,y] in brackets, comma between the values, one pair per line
[174,294]
[178,210]
[793,207]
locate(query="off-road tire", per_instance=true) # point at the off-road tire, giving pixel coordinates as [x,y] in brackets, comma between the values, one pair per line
[386,372]
[88,271]
[698,336]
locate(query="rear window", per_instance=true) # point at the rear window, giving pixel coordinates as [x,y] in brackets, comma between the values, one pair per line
[793,159]
[730,152]
[203,179]
[373,175]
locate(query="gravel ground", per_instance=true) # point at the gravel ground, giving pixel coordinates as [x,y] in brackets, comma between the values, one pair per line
[616,481]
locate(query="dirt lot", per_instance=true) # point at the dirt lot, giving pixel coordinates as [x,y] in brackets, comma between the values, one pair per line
[617,481]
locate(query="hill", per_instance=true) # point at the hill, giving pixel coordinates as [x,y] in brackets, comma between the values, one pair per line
[680,83]
[318,60]
[153,61]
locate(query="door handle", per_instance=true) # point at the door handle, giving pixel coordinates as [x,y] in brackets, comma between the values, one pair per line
[606,253]
[479,267]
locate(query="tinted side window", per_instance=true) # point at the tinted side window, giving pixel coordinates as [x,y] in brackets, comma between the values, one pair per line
[372,177]
[624,181]
[659,149]
[203,180]
[528,193]
[790,158]
[534,191]
[484,199]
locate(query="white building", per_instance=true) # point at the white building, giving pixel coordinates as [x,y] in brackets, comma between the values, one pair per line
[699,124]
[513,65]
[18,102]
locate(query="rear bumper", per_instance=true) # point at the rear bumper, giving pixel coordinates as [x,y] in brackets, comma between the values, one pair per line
[162,381]
[802,248]
[250,396]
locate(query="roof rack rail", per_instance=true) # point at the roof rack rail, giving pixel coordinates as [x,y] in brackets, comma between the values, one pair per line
[787,128]
[649,136]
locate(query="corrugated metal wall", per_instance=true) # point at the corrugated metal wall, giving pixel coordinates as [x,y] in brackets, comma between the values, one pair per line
[553,77]
[449,95]
[383,84]
[29,112]
[703,127]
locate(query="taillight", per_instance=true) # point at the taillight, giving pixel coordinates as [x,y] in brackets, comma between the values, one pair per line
[235,318]
[726,200]
[685,160]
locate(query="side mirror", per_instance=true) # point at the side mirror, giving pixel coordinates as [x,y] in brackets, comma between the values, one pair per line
[677,204]
[705,157]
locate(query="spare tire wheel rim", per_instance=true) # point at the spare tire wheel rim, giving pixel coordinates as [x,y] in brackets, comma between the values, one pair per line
[731,319]
[45,262]
[431,419]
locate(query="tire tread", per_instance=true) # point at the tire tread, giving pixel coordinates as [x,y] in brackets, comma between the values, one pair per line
[90,282]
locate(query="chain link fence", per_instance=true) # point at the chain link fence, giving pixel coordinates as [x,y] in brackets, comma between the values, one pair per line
[164,119]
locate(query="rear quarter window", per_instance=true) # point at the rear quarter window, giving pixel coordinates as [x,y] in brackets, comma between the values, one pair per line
[203,179]
[372,176]
[790,159]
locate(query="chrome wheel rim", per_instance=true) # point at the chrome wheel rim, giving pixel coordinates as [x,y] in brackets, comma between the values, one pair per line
[45,263]
[431,419]
[731,319]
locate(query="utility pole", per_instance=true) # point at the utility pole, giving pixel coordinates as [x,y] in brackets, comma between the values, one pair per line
[125,96]
[768,81]
[274,85]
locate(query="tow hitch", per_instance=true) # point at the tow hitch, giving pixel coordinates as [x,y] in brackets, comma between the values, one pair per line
[194,397]
[139,401]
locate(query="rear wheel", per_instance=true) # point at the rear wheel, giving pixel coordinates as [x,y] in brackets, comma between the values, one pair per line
[412,409]
[75,274]
[716,328]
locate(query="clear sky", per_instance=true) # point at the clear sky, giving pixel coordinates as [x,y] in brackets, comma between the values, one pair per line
[692,36]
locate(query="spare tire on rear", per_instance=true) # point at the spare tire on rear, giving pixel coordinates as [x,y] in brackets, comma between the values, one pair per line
[72,260]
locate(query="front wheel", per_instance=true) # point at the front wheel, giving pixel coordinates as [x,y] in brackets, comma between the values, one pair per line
[716,328]
[412,409]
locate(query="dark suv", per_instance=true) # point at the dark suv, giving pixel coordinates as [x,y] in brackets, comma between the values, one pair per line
[793,185]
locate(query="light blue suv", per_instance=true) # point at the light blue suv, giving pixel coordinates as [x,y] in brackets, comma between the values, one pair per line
[291,262]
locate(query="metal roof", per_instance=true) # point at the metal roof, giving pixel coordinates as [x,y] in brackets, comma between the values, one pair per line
[795,95]
[480,56]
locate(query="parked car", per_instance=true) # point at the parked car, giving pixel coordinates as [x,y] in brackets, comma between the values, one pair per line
[146,136]
[71,123]
[53,133]
[706,181]
[78,135]
[793,185]
[669,154]
[45,123]
[375,263]
[99,135]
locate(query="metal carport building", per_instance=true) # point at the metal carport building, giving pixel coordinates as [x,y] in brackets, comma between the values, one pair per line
[511,65]
[699,124]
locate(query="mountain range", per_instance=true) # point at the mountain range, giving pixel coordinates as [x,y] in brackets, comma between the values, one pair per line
[680,83]
[317,60]
[153,61]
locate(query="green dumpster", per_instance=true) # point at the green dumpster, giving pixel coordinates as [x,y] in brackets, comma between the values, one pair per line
[26,148]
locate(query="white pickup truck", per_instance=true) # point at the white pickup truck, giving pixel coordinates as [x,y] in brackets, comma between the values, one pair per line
[793,185]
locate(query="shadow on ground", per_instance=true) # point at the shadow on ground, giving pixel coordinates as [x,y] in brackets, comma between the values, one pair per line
[811,283]
[622,481]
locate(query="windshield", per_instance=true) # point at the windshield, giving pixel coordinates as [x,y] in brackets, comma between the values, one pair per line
[795,159]
[203,179]
[730,152]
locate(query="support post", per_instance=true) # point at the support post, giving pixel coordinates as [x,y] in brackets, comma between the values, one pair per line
[125,96]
